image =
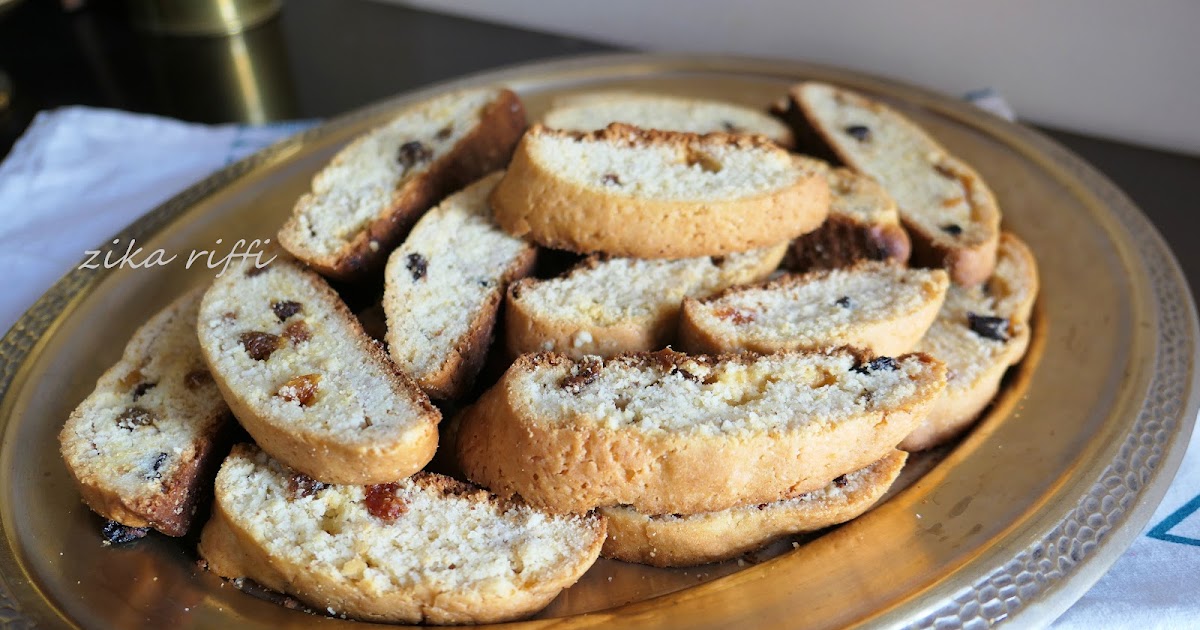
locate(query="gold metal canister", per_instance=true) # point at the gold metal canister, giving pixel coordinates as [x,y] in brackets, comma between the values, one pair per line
[201,17]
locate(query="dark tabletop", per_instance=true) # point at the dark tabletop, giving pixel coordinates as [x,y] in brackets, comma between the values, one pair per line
[319,58]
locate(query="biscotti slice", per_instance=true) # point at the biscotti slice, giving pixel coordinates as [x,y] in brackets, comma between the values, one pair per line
[979,333]
[626,191]
[363,203]
[608,306]
[950,213]
[680,540]
[863,224]
[443,289]
[307,383]
[427,549]
[667,433]
[143,446]
[880,307]
[596,110]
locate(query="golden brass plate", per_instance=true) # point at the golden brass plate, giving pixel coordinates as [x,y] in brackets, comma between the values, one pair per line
[1017,521]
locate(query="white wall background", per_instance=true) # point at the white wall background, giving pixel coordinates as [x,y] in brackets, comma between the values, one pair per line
[1122,69]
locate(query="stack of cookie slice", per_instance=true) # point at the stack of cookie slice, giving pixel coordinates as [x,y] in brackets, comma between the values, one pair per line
[782,414]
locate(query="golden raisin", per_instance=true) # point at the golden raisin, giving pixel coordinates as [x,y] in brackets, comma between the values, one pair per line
[383,503]
[297,332]
[134,417]
[302,389]
[131,379]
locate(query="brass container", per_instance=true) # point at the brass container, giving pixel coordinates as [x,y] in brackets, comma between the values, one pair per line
[201,17]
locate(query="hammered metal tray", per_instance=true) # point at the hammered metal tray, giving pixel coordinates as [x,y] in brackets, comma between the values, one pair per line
[1016,521]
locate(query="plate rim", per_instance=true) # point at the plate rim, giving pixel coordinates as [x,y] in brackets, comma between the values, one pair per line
[990,598]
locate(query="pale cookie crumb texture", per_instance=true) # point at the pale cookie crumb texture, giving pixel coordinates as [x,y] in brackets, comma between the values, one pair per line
[716,396]
[881,307]
[426,548]
[605,306]
[140,445]
[596,110]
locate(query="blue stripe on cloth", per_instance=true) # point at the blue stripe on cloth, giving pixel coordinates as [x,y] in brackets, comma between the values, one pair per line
[1163,529]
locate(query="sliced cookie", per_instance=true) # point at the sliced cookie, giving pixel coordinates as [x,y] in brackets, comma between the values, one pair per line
[667,433]
[978,334]
[363,203]
[307,383]
[591,111]
[444,287]
[880,307]
[427,549]
[950,213]
[680,540]
[863,224]
[626,191]
[143,446]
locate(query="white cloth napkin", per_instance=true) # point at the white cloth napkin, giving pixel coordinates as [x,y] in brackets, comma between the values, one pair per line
[79,175]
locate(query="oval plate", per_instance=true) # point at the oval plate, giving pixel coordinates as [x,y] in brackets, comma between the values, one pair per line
[1018,520]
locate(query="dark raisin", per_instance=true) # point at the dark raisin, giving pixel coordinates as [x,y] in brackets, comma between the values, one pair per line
[383,503]
[413,153]
[876,364]
[255,270]
[284,310]
[115,533]
[259,345]
[988,327]
[141,388]
[134,417]
[417,266]
[859,132]
[843,301]
[953,229]
[612,178]
[301,389]
[587,372]
[685,374]
[301,485]
[485,283]
[197,378]
[841,481]
[945,171]
[884,363]
[444,132]
[297,332]
[762,506]
[156,468]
